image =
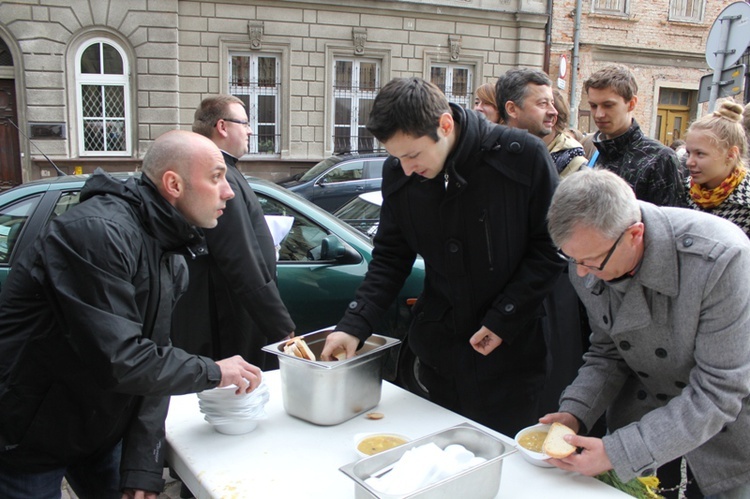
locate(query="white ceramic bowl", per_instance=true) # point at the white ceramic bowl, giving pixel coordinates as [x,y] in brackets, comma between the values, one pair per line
[535,458]
[236,427]
[360,438]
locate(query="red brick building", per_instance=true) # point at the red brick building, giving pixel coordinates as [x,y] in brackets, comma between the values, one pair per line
[662,41]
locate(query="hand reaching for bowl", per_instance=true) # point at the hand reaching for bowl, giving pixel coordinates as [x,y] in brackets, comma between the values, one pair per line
[236,371]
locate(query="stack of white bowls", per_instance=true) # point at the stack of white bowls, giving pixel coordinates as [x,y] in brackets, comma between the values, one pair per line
[233,414]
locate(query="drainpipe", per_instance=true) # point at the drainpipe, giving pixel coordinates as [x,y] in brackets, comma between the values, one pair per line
[574,67]
[548,41]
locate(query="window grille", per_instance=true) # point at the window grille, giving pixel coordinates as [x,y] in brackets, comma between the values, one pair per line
[256,80]
[356,83]
[455,82]
[102,92]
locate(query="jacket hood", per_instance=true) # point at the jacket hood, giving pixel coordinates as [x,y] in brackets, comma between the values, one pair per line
[161,220]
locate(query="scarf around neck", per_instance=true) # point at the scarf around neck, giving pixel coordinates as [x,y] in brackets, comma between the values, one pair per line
[711,198]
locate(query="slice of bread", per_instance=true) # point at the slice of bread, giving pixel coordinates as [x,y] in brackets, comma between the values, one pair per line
[554,445]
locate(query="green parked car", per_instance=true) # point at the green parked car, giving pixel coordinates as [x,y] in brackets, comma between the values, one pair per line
[321,261]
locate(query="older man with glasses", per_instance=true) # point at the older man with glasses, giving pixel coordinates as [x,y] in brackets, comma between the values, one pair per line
[667,292]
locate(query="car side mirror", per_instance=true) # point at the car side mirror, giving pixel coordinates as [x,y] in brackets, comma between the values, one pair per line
[331,248]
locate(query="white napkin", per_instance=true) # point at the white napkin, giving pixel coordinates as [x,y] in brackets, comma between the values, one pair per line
[280,226]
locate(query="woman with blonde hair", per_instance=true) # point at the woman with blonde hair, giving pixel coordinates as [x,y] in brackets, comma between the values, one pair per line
[716,150]
[485,103]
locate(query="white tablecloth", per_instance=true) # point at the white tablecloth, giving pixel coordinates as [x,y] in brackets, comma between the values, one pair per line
[286,457]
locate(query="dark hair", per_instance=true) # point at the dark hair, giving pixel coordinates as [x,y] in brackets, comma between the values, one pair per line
[411,106]
[513,86]
[211,110]
[618,78]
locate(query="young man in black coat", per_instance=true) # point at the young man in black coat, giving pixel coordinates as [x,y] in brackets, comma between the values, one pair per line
[471,198]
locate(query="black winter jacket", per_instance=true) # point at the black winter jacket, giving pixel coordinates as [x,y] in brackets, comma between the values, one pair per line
[488,256]
[651,168]
[85,358]
[232,305]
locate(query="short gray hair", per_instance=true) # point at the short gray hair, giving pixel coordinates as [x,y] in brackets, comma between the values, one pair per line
[592,198]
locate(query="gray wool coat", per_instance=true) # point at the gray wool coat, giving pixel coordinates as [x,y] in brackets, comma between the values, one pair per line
[670,353]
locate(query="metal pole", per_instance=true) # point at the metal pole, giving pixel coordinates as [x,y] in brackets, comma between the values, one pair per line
[573,119]
[726,22]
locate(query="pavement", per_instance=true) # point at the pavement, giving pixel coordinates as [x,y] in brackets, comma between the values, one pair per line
[171,489]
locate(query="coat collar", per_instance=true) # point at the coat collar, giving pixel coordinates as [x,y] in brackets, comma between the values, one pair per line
[616,147]
[659,268]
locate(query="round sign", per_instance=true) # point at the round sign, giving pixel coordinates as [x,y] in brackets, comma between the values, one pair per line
[738,39]
[563,66]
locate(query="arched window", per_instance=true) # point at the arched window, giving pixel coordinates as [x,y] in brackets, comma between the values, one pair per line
[103,93]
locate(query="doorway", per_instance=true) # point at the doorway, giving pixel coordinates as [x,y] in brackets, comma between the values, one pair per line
[672,115]
[10,157]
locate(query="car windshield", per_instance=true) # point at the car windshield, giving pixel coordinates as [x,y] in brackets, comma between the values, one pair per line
[319,168]
[359,209]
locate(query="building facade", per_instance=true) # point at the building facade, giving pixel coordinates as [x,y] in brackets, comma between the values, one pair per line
[91,83]
[662,41]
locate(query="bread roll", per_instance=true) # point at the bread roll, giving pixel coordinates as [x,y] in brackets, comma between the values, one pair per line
[554,445]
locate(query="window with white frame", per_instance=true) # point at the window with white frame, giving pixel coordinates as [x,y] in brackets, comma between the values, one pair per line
[356,82]
[616,7]
[103,94]
[686,10]
[455,82]
[256,80]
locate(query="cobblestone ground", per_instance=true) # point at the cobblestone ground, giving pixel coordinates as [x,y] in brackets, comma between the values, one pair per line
[171,489]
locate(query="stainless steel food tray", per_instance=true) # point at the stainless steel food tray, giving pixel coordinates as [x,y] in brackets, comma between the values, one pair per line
[479,482]
[329,393]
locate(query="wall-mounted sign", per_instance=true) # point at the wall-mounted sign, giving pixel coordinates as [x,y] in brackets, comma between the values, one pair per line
[47,130]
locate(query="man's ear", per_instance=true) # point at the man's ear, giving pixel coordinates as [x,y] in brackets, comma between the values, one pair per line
[446,124]
[511,110]
[632,103]
[172,184]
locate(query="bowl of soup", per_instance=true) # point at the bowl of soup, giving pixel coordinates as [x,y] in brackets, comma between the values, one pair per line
[529,442]
[374,443]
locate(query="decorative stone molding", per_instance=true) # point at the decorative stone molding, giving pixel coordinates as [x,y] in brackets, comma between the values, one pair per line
[255,32]
[360,37]
[455,45]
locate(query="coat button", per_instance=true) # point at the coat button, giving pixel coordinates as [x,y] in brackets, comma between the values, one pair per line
[642,374]
[453,247]
[352,305]
[509,307]
[641,395]
[625,345]
[680,384]
[605,319]
[661,353]
[687,242]
[661,396]
[648,472]
[515,147]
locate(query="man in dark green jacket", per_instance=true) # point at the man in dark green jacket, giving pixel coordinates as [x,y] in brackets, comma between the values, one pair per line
[471,198]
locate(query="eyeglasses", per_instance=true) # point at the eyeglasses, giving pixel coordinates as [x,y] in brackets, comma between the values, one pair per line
[606,257]
[244,123]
